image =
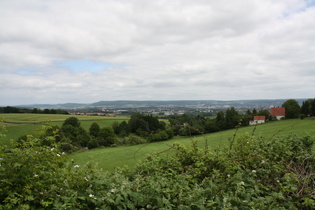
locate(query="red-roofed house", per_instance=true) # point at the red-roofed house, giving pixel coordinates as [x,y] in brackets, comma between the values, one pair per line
[258,120]
[278,112]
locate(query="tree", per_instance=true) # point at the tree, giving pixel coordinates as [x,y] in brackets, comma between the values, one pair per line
[232,118]
[72,130]
[94,129]
[264,112]
[306,108]
[312,107]
[220,120]
[107,136]
[124,129]
[292,109]
[73,121]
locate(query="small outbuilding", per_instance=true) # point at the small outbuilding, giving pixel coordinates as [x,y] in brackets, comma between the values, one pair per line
[258,120]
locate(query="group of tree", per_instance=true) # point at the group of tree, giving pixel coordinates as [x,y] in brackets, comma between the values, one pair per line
[189,124]
[10,109]
[308,108]
[139,129]
[294,110]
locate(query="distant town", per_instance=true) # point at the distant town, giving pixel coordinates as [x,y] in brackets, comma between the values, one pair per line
[162,108]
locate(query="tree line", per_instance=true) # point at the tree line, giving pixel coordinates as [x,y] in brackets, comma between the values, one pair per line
[139,129]
[10,109]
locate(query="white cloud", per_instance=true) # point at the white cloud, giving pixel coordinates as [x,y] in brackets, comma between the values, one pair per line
[157,50]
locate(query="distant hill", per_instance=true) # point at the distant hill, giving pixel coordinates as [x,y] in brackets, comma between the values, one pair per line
[161,103]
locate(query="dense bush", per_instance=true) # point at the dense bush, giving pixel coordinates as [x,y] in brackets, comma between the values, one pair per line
[252,173]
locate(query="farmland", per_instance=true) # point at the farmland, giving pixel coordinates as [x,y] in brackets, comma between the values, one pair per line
[20,124]
[109,158]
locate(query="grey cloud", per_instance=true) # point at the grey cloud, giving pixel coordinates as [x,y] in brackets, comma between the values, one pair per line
[163,49]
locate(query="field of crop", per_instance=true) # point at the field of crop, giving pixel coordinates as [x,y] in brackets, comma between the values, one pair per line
[21,124]
[109,158]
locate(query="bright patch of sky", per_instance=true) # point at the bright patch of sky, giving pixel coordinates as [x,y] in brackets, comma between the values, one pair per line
[310,3]
[84,65]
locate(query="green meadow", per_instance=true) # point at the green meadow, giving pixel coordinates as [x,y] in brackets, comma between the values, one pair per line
[21,124]
[109,158]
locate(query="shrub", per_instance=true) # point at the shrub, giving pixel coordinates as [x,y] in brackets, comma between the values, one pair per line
[93,143]
[252,173]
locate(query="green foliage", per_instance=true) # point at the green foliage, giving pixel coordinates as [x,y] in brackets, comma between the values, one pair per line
[232,118]
[130,140]
[292,109]
[77,135]
[94,129]
[72,121]
[107,136]
[254,173]
[93,143]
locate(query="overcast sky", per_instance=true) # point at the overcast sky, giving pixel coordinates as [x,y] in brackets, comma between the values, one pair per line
[85,51]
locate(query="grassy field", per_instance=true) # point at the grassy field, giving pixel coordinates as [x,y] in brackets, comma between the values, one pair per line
[109,158]
[21,124]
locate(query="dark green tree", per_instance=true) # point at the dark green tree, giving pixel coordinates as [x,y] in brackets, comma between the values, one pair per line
[312,107]
[94,130]
[46,111]
[124,129]
[264,112]
[292,109]
[107,136]
[77,135]
[232,118]
[73,121]
[220,120]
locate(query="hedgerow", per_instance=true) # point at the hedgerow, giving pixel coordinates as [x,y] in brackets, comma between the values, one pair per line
[252,173]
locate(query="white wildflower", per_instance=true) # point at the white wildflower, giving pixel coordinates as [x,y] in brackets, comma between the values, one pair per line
[58,155]
[52,149]
[35,175]
[254,171]
[278,180]
[76,166]
[91,196]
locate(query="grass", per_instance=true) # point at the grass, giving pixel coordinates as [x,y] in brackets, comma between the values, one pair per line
[109,158]
[25,123]
[26,118]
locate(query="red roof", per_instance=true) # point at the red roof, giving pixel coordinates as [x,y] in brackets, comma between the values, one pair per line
[259,117]
[277,111]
